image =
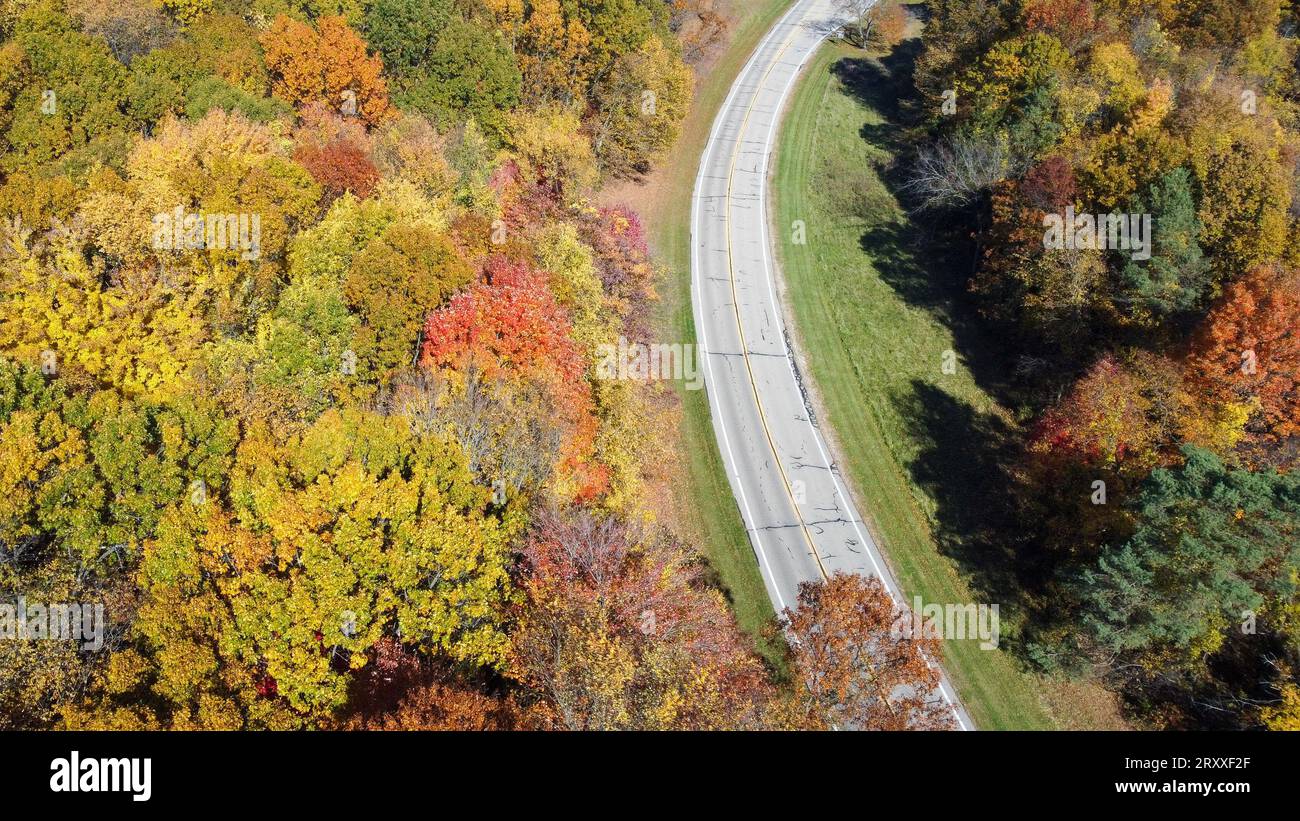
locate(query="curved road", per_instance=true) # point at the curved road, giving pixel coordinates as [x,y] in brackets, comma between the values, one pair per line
[797,512]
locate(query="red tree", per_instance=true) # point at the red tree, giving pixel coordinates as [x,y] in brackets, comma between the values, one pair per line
[509,326]
[1247,350]
[339,166]
[400,690]
[853,668]
[617,632]
[1073,22]
[508,323]
[336,151]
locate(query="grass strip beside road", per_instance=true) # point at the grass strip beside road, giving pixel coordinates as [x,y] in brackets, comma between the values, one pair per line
[874,351]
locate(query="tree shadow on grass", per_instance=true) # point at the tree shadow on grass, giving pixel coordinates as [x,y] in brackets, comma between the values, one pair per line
[885,85]
[927,258]
[965,464]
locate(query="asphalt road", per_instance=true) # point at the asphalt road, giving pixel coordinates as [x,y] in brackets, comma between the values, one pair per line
[797,511]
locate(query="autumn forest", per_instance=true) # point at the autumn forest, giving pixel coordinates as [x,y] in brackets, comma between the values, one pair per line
[302,304]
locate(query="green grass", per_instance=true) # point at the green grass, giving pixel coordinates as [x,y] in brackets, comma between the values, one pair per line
[872,298]
[702,497]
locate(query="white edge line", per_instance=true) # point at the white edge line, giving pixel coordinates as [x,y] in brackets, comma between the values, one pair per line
[767,269]
[701,328]
[698,308]
[702,331]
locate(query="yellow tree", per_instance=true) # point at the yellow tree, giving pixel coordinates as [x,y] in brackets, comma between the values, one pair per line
[552,53]
[59,315]
[552,150]
[1285,715]
[507,18]
[175,183]
[328,64]
[355,531]
[639,107]
[1245,191]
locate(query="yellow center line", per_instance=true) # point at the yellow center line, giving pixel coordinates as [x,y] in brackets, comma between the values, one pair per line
[735,302]
[744,349]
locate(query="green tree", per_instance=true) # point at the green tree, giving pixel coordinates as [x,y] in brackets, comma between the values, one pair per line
[470,74]
[84,480]
[1211,543]
[92,473]
[391,286]
[639,108]
[1177,277]
[157,84]
[214,92]
[955,36]
[1244,193]
[616,27]
[404,31]
[75,100]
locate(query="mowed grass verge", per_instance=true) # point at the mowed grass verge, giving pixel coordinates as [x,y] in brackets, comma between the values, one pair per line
[874,339]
